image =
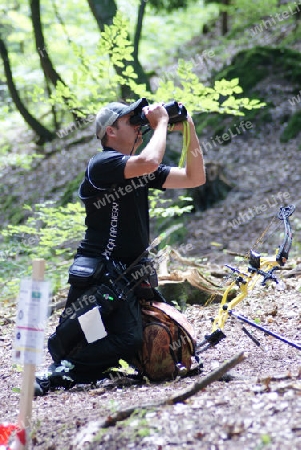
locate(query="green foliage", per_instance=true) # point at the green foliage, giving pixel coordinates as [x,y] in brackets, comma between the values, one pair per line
[71,190]
[292,128]
[89,70]
[136,426]
[55,229]
[165,35]
[285,64]
[115,49]
[243,13]
[198,98]
[10,203]
[12,156]
[9,159]
[264,61]
[95,82]
[162,207]
[25,59]
[254,9]
[168,5]
[169,217]
[50,233]
[123,367]
[266,439]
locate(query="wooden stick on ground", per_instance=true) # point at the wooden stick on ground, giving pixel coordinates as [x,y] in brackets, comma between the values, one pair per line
[215,375]
[88,434]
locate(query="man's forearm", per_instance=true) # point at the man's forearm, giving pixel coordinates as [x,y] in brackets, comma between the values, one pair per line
[155,149]
[195,167]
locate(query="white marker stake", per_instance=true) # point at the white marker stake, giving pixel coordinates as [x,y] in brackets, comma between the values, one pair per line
[27,389]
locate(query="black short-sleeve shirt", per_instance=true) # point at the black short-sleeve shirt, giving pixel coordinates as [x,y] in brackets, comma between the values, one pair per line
[117,215]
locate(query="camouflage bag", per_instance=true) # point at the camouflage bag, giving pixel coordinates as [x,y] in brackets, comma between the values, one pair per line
[168,342]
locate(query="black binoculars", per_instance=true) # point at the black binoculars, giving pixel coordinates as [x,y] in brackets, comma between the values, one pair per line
[176,113]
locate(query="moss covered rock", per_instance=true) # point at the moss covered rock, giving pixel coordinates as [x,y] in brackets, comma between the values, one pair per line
[252,67]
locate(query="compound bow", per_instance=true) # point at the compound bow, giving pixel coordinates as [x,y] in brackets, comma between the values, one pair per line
[257,267]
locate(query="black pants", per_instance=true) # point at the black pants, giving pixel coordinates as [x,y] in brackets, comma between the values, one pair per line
[124,339]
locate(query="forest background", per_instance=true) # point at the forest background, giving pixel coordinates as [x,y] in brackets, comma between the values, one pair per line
[61,63]
[234,64]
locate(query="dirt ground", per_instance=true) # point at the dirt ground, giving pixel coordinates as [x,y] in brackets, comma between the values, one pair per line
[257,406]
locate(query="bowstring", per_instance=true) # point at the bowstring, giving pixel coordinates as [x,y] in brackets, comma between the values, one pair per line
[264,236]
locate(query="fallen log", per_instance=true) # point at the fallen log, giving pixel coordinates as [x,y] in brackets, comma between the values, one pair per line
[189,287]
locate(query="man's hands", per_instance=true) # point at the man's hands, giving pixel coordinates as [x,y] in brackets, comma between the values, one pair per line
[156,114]
[179,125]
[152,155]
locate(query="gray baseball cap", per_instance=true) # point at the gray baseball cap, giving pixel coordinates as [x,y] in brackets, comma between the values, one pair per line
[110,113]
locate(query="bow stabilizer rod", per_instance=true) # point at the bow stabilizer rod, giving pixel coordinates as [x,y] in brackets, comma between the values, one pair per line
[261,328]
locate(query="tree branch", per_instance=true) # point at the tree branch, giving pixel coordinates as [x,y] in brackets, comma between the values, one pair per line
[37,127]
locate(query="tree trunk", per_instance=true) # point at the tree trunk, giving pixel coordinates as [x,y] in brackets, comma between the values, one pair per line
[37,127]
[142,77]
[46,62]
[224,18]
[138,30]
[104,11]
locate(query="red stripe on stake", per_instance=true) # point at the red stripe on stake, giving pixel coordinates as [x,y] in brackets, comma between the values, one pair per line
[31,329]
[6,430]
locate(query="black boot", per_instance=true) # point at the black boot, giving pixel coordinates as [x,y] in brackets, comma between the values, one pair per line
[58,376]
[41,385]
